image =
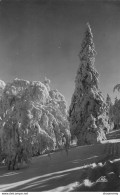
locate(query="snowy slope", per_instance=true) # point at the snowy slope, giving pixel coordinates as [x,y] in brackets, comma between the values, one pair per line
[60,173]
[113,134]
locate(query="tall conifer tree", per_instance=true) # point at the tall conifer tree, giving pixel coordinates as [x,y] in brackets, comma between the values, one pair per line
[87,109]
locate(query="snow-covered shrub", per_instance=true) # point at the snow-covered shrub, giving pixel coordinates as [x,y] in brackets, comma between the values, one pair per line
[33,118]
[87,109]
[99,177]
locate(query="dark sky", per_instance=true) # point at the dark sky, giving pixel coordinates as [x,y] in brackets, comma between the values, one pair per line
[41,38]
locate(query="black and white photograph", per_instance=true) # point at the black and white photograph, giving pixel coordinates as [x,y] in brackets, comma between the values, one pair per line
[59,96]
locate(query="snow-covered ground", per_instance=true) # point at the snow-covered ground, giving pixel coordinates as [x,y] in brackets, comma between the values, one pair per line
[113,134]
[61,172]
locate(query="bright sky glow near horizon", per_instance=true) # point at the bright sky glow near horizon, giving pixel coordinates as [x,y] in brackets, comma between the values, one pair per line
[43,38]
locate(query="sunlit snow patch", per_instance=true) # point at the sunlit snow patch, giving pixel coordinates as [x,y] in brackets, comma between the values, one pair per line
[67,188]
[10,174]
[87,183]
[94,165]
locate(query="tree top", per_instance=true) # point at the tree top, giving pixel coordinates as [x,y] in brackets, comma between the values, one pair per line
[89,29]
[87,46]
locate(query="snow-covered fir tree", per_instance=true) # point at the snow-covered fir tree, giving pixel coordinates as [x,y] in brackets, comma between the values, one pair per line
[108,102]
[115,110]
[87,112]
[109,113]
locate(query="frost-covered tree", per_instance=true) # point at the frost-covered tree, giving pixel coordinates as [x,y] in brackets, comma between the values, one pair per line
[116,113]
[115,110]
[109,113]
[33,119]
[108,102]
[87,110]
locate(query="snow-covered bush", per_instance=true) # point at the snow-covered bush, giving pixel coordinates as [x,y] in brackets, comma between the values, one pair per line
[87,110]
[33,118]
